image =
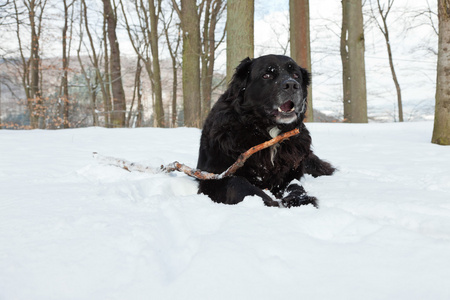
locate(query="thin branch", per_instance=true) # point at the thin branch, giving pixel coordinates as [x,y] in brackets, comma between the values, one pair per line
[177,8]
[199,174]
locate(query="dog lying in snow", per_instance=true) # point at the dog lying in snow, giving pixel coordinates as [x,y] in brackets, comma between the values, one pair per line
[266,96]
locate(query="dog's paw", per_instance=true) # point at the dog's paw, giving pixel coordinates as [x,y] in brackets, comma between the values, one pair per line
[317,167]
[292,201]
[297,196]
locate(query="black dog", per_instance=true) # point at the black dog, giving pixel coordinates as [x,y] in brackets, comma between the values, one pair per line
[266,97]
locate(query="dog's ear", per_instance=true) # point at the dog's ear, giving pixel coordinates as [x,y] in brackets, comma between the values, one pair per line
[306,78]
[240,77]
[242,70]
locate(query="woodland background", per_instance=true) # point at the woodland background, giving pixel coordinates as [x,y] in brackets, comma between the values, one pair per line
[59,69]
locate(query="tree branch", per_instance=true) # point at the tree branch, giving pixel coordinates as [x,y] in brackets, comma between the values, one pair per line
[199,174]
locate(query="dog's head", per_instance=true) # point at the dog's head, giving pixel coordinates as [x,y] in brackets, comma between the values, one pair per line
[273,86]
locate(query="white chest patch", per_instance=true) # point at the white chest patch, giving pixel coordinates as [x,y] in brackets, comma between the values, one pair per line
[274,132]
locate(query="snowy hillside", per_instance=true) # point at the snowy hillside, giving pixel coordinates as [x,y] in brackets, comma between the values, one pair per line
[71,228]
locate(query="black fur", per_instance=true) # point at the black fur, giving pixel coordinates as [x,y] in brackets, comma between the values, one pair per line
[266,92]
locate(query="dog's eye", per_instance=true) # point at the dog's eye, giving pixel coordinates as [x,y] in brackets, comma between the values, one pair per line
[295,76]
[267,76]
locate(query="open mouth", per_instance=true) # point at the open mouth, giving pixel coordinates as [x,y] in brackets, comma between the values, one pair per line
[285,113]
[286,107]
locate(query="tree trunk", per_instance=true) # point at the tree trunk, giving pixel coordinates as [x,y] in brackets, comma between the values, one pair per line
[191,63]
[143,38]
[95,62]
[441,130]
[159,110]
[93,97]
[174,91]
[300,42]
[385,31]
[34,72]
[212,10]
[173,51]
[118,115]
[25,67]
[35,100]
[136,92]
[91,90]
[106,78]
[352,56]
[206,81]
[64,94]
[240,35]
[394,76]
[345,66]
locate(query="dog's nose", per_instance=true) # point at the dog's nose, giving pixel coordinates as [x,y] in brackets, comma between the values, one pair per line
[290,84]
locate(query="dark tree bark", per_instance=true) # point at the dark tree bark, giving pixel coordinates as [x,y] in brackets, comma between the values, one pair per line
[96,63]
[441,130]
[137,93]
[64,93]
[173,51]
[213,10]
[30,74]
[35,61]
[90,87]
[300,42]
[118,94]
[159,110]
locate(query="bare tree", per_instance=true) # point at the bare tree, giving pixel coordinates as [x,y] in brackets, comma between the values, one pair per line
[118,93]
[95,60]
[5,16]
[428,14]
[213,11]
[154,16]
[190,25]
[441,130]
[106,82]
[90,87]
[30,72]
[353,66]
[64,89]
[137,93]
[384,10]
[3,12]
[240,33]
[300,42]
[173,47]
[144,38]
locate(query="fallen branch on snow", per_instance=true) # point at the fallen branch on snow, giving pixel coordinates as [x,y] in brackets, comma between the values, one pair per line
[199,174]
[124,164]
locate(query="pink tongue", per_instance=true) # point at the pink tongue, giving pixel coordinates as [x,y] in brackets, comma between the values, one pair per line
[287,106]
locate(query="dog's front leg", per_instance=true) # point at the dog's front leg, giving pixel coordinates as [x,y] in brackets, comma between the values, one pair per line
[317,167]
[233,190]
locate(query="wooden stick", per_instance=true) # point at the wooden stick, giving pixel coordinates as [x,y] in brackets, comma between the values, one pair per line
[125,164]
[199,174]
[246,155]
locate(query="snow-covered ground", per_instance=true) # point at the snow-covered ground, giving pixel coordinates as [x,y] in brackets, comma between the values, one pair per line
[71,228]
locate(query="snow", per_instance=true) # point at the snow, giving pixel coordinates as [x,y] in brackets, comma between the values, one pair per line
[71,228]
